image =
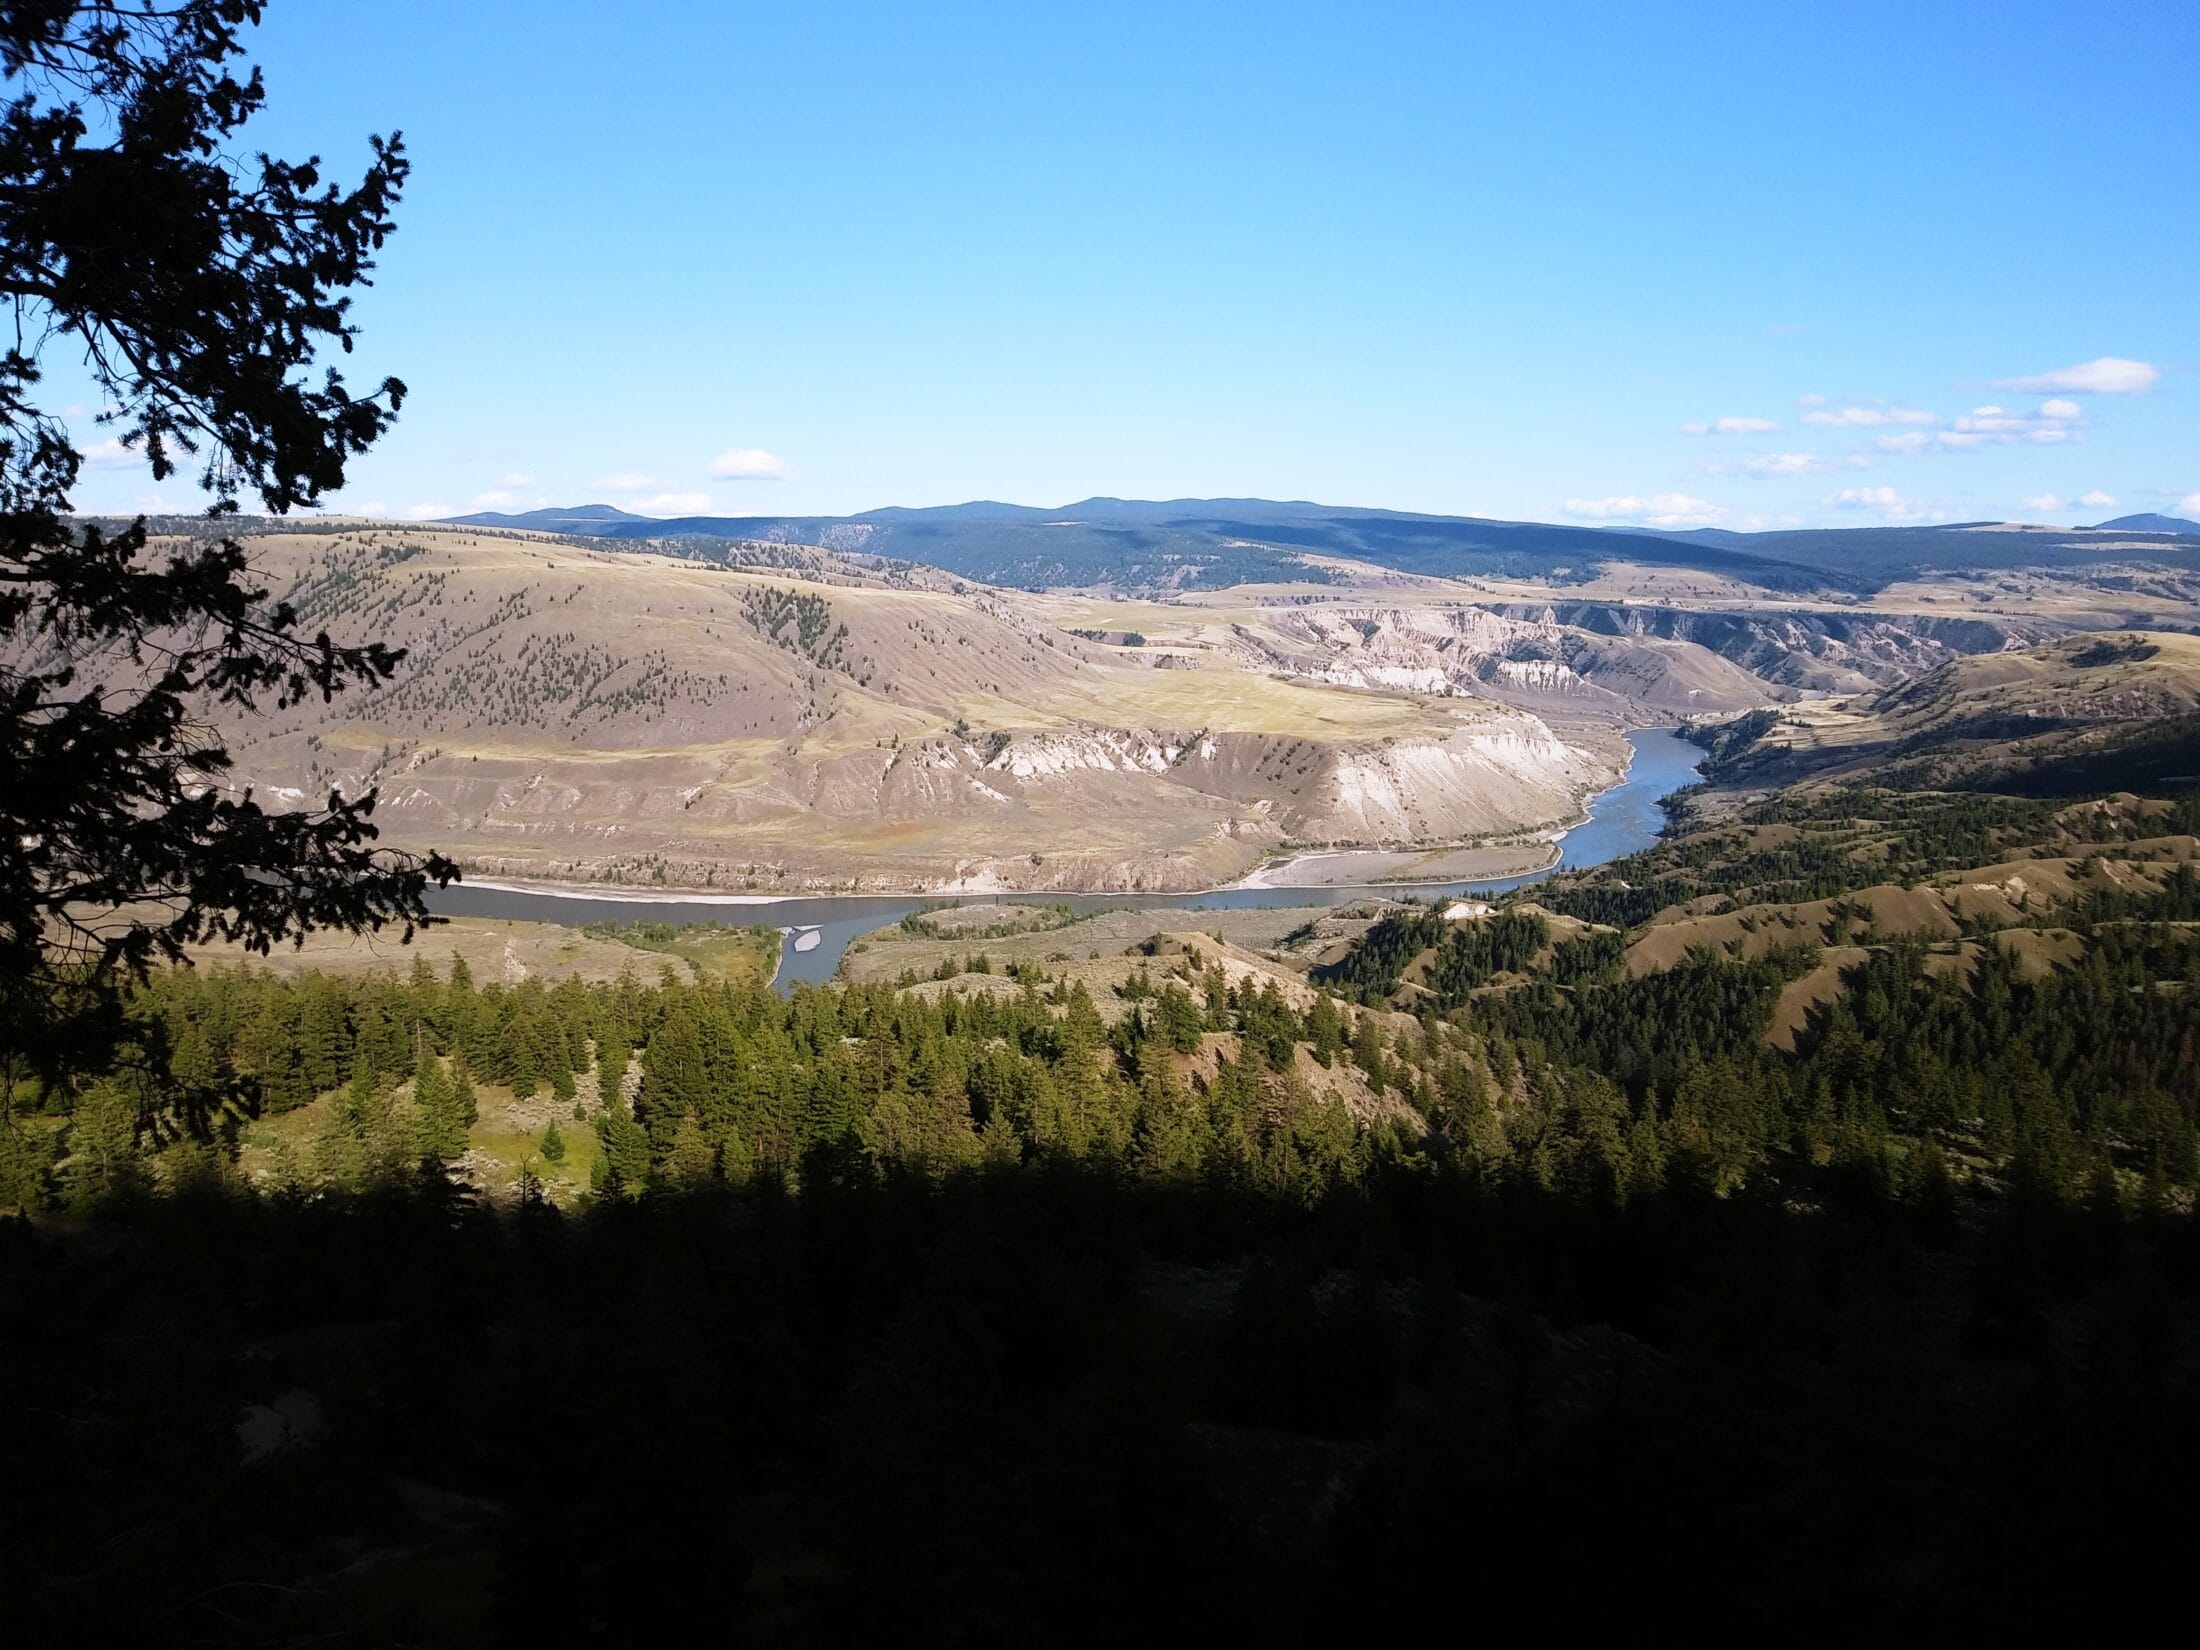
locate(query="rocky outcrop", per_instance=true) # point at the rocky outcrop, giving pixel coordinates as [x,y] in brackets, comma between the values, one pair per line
[1532,660]
[1824,652]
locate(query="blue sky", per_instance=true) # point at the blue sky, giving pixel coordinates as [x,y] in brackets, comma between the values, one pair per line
[1495,260]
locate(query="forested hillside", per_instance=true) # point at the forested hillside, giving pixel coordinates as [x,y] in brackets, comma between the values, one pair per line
[1283,1281]
[1189,543]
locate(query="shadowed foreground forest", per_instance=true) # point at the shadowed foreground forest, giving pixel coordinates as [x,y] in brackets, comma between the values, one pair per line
[982,1319]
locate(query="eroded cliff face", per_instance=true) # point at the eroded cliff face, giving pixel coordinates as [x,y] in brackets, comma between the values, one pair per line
[1821,652]
[1085,808]
[1535,661]
[1477,782]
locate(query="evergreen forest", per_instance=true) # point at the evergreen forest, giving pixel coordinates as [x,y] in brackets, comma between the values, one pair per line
[974,1315]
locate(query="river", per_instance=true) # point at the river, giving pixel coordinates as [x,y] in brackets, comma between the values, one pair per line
[1621,820]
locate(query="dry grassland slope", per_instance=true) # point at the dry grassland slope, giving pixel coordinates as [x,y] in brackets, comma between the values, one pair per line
[623,718]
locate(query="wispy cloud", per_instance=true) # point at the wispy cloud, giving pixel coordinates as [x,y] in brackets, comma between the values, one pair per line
[496,498]
[2049,504]
[110,455]
[2056,424]
[749,464]
[2189,505]
[1781,466]
[1731,426]
[1655,509]
[1867,415]
[1767,466]
[427,512]
[672,504]
[2107,375]
[1883,502]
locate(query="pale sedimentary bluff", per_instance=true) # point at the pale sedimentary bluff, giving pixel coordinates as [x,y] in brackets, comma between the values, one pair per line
[629,720]
[1087,809]
[1516,657]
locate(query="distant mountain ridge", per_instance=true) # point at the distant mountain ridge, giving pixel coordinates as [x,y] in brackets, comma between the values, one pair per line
[577,518]
[1194,543]
[2149,521]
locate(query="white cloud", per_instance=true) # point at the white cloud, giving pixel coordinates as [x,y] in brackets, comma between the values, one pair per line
[373,507]
[2062,409]
[624,481]
[496,498]
[2189,505]
[2049,504]
[1784,464]
[1859,415]
[1992,426]
[749,464]
[673,504]
[427,512]
[110,455]
[2109,375]
[1810,401]
[517,479]
[1658,509]
[1731,426]
[1909,441]
[1884,502]
[1774,466]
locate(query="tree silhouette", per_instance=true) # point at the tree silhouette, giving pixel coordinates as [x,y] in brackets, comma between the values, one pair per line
[198,290]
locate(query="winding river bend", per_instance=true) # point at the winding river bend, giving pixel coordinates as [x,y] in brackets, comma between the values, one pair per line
[820,927]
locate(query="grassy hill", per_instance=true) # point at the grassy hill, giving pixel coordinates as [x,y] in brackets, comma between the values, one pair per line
[571,711]
[1814,884]
[2074,716]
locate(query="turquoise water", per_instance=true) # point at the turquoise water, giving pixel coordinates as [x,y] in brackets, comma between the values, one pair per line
[1621,820]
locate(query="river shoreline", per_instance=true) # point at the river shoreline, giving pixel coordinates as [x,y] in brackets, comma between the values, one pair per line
[820,926]
[1273,875]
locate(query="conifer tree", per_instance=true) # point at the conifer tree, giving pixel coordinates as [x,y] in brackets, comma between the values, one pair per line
[465,1110]
[553,1144]
[193,1067]
[1180,1020]
[26,1166]
[1367,1052]
[625,1150]
[612,1056]
[439,1129]
[521,1065]
[999,1145]
[324,1040]
[267,1053]
[690,1162]
[103,1164]
[1324,1029]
